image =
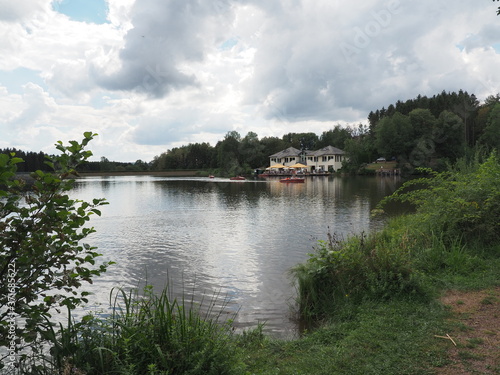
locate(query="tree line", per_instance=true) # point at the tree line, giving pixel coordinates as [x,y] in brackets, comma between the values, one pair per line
[236,154]
[420,132]
[429,131]
[32,160]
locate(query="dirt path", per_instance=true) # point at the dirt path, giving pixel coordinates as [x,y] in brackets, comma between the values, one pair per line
[476,332]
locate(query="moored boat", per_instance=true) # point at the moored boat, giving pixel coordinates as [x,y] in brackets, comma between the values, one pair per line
[238,178]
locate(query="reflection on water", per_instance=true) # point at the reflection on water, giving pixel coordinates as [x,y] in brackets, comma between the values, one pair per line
[214,235]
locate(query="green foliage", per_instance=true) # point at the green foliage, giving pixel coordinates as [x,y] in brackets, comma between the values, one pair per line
[463,203]
[395,136]
[150,334]
[448,136]
[31,160]
[345,272]
[335,137]
[457,217]
[192,156]
[301,140]
[360,150]
[491,134]
[41,249]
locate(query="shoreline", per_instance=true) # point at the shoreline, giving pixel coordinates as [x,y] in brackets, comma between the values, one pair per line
[181,173]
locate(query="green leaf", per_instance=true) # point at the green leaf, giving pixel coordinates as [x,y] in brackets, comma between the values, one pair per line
[4,159]
[45,235]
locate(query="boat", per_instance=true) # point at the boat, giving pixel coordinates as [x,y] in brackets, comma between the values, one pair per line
[211,176]
[292,180]
[238,178]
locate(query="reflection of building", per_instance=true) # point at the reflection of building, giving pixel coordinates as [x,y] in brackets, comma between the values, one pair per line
[326,159]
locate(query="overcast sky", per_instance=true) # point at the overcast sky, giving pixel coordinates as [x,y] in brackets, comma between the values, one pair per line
[151,75]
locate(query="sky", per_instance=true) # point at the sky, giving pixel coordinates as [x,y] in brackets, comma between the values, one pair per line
[151,75]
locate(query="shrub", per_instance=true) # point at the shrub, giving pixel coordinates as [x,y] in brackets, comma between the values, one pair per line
[343,272]
[43,261]
[462,203]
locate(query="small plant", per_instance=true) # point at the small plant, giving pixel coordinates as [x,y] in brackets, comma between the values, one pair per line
[490,300]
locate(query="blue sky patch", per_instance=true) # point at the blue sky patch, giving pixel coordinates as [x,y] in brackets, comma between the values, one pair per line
[90,11]
[14,80]
[101,100]
[228,44]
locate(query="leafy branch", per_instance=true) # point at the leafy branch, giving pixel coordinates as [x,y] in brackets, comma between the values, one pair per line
[43,260]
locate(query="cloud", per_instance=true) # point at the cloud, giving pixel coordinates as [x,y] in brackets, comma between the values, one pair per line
[14,11]
[328,59]
[165,36]
[163,73]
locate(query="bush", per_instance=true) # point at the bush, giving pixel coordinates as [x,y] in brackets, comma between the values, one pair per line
[342,273]
[462,203]
[43,259]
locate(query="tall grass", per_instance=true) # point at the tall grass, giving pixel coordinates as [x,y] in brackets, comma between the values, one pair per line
[148,333]
[342,273]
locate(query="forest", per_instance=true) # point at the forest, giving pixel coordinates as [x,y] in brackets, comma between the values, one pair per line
[420,132]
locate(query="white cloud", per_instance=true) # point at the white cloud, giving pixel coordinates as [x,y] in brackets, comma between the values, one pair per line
[15,11]
[163,73]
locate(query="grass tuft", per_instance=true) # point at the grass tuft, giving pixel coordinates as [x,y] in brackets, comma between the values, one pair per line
[149,333]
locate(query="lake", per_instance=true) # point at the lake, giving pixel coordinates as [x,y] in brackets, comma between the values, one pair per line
[235,240]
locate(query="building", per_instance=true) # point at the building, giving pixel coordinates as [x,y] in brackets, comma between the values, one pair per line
[326,159]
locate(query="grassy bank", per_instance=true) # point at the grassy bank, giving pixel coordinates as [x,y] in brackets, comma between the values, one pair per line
[372,301]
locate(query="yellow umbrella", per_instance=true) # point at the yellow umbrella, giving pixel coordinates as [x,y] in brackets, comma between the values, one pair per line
[276,166]
[298,165]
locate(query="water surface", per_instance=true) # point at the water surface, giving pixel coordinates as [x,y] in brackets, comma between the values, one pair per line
[232,238]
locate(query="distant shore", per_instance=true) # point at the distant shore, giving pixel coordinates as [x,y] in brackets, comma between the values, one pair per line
[190,173]
[26,176]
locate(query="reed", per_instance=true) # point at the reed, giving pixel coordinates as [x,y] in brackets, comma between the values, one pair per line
[148,333]
[342,273]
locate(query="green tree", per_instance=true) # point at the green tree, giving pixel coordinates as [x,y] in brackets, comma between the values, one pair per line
[252,151]
[360,150]
[43,261]
[199,156]
[307,141]
[448,136]
[422,122]
[394,136]
[105,165]
[336,137]
[491,135]
[228,157]
[462,204]
[483,115]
